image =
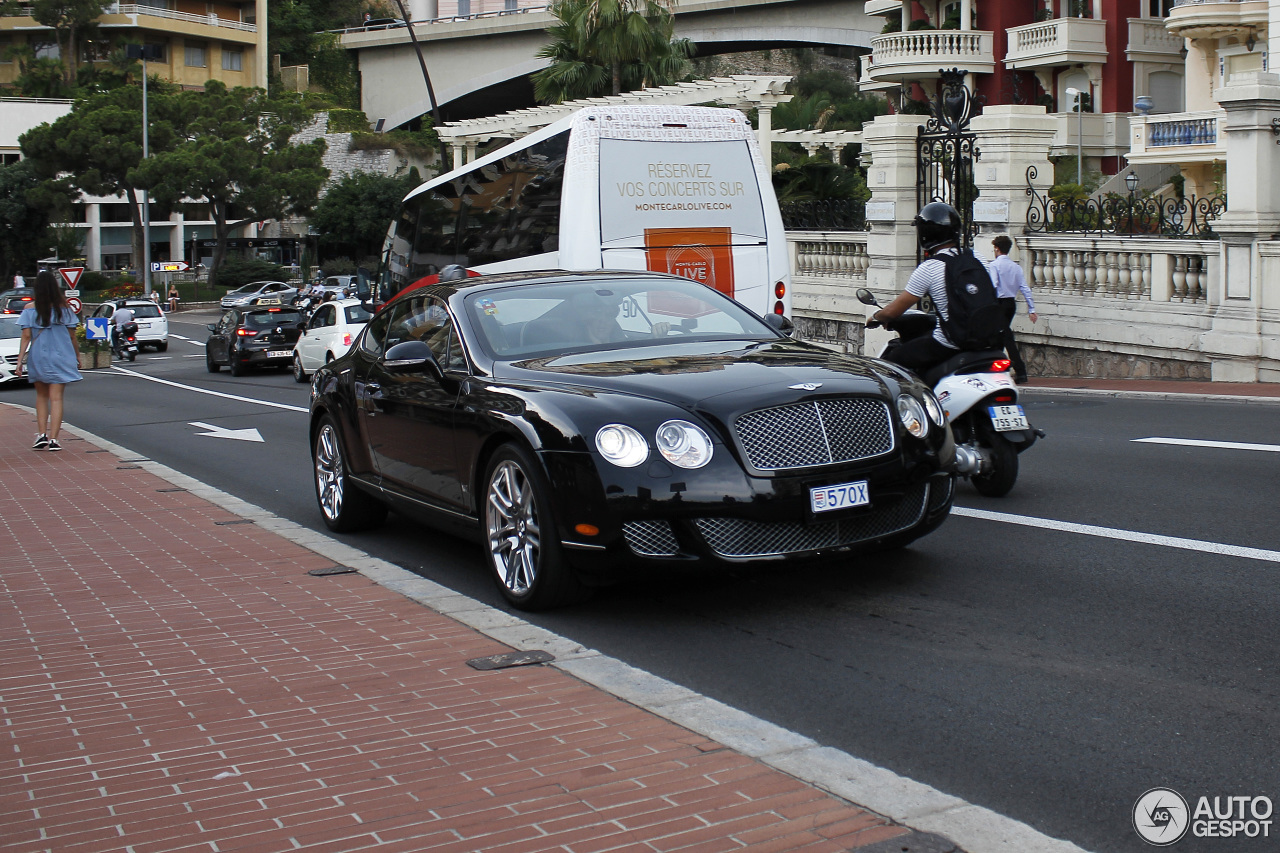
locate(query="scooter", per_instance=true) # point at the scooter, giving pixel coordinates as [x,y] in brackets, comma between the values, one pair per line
[125,345]
[981,401]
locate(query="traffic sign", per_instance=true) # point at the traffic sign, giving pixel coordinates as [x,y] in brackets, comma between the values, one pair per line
[71,275]
[170,266]
[75,304]
[97,328]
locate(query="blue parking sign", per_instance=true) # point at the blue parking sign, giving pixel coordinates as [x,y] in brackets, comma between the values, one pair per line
[97,328]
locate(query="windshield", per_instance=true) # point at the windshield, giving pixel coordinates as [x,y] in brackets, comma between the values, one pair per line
[270,319]
[606,314]
[9,327]
[248,288]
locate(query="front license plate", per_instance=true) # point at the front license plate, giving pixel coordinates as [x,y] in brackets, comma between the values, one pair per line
[842,496]
[279,353]
[1006,418]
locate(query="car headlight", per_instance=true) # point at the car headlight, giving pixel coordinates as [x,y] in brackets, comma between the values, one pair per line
[621,445]
[683,444]
[911,413]
[934,408]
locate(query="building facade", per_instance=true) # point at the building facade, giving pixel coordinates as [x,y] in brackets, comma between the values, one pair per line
[196,41]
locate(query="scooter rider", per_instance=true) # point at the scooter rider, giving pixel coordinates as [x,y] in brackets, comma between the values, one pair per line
[123,314]
[938,231]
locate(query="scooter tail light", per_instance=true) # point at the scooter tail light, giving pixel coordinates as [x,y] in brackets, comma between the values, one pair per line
[1005,398]
[1000,365]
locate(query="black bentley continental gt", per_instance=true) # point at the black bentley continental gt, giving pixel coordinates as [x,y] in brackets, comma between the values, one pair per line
[587,426]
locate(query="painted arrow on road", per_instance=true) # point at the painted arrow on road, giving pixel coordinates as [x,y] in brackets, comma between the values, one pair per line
[250,434]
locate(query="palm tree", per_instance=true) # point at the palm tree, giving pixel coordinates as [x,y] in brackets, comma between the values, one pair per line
[605,47]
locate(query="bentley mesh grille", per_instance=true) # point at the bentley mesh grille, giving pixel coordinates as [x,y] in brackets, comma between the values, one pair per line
[737,537]
[804,435]
[651,538]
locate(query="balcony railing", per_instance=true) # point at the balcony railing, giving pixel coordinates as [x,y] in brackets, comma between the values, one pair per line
[1148,39]
[153,12]
[899,56]
[1187,131]
[1062,41]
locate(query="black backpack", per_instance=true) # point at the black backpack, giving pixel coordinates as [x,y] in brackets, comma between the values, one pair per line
[975,318]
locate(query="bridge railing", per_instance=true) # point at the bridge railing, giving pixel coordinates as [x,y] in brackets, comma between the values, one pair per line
[447,19]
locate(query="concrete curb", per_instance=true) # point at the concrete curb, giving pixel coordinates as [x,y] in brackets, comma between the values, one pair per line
[905,801]
[1172,396]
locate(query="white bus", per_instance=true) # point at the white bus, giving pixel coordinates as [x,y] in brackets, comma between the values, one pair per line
[674,189]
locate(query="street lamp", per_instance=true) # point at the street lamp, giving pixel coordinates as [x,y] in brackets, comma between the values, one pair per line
[1079,99]
[145,52]
[1131,181]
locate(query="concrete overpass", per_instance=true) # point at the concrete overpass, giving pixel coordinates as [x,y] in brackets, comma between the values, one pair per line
[466,56]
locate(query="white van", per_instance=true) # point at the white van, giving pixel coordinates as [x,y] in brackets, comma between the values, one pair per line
[674,189]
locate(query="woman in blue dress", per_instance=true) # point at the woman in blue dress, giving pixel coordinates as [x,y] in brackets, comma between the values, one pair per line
[47,351]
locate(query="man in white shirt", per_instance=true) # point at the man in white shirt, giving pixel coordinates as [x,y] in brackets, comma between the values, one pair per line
[123,314]
[1010,282]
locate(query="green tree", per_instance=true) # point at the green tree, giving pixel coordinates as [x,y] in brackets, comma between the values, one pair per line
[25,203]
[353,215]
[233,149]
[602,47]
[69,19]
[99,143]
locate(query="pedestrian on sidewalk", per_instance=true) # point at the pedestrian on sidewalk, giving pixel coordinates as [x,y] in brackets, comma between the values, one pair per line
[1009,283]
[48,356]
[173,298]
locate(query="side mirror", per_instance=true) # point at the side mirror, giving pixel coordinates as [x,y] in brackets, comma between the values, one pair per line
[779,323]
[211,327]
[866,297]
[411,357]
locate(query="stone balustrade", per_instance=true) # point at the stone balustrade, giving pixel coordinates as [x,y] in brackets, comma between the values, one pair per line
[839,255]
[1130,269]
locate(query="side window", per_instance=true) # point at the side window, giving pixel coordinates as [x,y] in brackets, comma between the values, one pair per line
[228,321]
[375,333]
[318,319]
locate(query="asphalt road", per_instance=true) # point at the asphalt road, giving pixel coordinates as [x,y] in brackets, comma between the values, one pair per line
[1050,674]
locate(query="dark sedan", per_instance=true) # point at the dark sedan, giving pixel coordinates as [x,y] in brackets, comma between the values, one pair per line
[253,337]
[590,426]
[15,300]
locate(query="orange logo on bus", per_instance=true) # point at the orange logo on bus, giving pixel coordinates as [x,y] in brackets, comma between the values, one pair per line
[702,254]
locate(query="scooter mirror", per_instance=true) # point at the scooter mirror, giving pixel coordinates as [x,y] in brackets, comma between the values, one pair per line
[866,297]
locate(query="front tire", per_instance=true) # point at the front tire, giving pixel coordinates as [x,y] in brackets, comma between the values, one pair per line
[521,544]
[299,375]
[1004,465]
[345,507]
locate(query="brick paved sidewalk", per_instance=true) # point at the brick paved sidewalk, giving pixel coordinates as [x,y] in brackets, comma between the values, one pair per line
[173,680]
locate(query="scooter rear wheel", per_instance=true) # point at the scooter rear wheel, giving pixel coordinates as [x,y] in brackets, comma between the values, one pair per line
[997,482]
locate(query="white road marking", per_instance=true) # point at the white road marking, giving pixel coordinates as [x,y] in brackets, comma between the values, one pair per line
[209,392]
[1225,445]
[179,337]
[1123,535]
[249,434]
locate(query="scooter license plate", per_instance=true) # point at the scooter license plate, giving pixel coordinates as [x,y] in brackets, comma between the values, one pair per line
[840,496]
[1007,418]
[279,353]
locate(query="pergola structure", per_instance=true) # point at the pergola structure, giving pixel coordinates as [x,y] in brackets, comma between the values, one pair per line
[744,91]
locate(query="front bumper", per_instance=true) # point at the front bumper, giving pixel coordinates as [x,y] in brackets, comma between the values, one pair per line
[659,516]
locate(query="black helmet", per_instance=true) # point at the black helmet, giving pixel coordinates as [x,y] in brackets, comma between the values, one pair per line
[938,224]
[453,272]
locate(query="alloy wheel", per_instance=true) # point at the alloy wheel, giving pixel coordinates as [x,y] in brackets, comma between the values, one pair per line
[329,472]
[514,535]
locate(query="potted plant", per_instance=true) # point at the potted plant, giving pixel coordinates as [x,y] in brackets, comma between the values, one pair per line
[94,355]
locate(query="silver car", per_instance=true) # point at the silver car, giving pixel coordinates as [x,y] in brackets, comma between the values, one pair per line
[260,293]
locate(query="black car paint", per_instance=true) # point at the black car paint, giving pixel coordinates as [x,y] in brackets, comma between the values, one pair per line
[555,405]
[224,345]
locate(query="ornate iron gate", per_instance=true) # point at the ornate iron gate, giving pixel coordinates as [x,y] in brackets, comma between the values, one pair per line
[946,151]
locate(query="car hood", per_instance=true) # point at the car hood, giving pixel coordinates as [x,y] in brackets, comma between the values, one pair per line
[692,375]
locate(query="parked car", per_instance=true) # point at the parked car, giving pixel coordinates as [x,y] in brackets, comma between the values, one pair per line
[14,300]
[253,336]
[153,325]
[329,332]
[10,338]
[590,426]
[260,293]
